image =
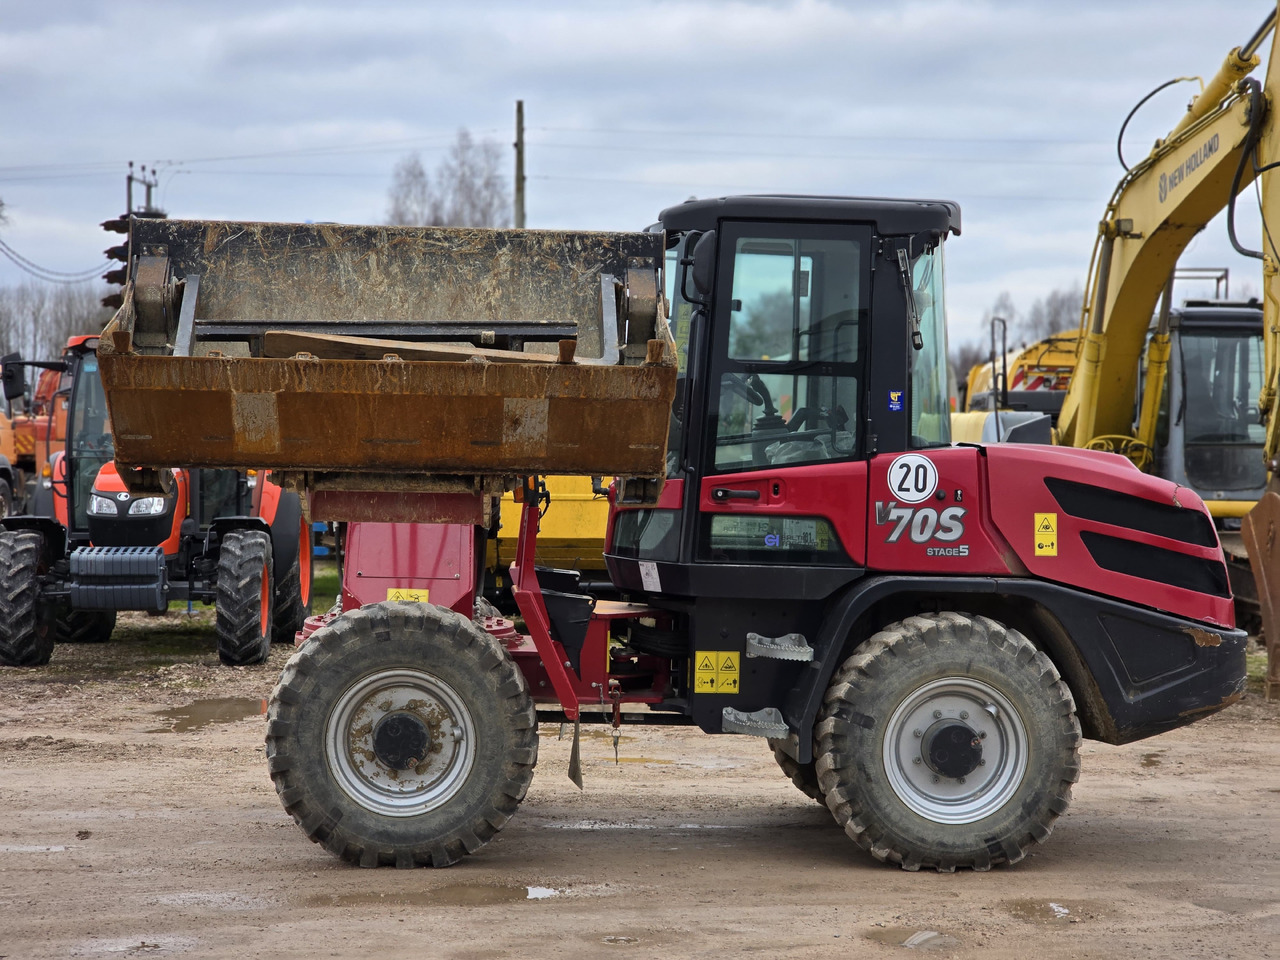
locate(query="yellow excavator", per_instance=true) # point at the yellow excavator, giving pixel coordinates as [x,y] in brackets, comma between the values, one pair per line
[1206,367]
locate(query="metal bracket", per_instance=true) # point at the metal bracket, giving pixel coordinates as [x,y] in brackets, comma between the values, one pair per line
[791,647]
[762,723]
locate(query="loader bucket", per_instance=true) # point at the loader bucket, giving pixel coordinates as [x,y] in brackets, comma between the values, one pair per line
[1260,531]
[390,351]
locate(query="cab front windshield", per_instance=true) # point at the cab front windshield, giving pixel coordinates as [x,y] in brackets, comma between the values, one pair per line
[1222,434]
[89,441]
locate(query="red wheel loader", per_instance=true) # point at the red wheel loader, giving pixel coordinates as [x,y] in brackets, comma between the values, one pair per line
[922,632]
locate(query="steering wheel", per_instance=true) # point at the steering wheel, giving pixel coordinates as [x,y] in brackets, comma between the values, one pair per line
[747,387]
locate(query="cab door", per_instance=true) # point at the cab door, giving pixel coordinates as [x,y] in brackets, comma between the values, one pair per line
[783,473]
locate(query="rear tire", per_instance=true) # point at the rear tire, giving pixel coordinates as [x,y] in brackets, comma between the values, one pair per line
[85,626]
[6,498]
[803,775]
[378,689]
[947,741]
[244,601]
[293,591]
[26,625]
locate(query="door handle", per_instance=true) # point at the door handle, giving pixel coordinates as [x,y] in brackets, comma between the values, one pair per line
[721,494]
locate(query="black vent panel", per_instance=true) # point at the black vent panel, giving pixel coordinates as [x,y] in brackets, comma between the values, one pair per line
[1156,563]
[1088,502]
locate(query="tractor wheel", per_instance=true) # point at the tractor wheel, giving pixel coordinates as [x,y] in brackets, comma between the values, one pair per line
[401,734]
[803,775]
[85,626]
[26,625]
[947,741]
[243,602]
[6,498]
[293,591]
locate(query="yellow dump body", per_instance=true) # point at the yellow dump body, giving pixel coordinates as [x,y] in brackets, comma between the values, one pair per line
[352,352]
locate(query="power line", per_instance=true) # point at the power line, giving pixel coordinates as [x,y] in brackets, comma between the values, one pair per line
[766,135]
[44,273]
[755,187]
[888,158]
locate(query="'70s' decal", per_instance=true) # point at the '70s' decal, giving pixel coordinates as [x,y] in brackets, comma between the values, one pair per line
[922,524]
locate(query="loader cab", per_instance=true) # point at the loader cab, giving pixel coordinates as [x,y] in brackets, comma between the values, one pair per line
[794,318]
[1209,435]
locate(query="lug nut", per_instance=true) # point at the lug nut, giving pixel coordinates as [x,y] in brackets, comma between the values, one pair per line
[935,779]
[937,714]
[917,733]
[982,763]
[917,760]
[962,779]
[964,714]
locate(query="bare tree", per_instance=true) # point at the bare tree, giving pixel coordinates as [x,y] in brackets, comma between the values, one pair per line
[37,318]
[1058,311]
[410,194]
[466,190]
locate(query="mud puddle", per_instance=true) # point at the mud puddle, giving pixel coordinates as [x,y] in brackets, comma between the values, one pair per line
[912,939]
[1042,912]
[203,713]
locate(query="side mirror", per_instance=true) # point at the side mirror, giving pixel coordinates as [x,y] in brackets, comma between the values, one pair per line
[14,376]
[704,263]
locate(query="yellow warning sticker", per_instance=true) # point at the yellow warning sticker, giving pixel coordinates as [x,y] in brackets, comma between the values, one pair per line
[1046,534]
[409,594]
[716,671]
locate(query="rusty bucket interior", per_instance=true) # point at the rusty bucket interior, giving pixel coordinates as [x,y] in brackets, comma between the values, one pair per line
[416,355]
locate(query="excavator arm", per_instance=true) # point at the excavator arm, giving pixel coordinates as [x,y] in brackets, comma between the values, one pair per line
[1216,150]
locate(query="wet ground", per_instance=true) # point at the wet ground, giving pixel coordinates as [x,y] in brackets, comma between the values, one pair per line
[137,820]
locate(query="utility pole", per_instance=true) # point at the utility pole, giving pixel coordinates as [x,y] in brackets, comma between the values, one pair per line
[519,145]
[149,182]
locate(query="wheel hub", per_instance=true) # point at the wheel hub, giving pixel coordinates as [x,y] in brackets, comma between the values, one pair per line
[955,750]
[401,740]
[951,749]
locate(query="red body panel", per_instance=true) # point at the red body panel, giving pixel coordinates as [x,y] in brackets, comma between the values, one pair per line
[266,498]
[912,530]
[382,558]
[1018,492]
[834,491]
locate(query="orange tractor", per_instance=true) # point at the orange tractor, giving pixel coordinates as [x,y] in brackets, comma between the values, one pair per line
[29,438]
[227,537]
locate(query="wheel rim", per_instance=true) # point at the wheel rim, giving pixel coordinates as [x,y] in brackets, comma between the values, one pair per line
[943,773]
[363,722]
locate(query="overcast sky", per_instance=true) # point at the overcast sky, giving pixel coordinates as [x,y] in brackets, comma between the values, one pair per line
[290,112]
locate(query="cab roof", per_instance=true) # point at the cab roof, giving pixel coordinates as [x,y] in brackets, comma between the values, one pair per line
[890,217]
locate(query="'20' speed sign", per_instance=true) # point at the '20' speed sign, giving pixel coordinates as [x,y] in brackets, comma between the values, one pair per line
[912,478]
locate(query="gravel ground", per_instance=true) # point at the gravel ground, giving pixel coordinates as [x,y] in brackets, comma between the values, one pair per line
[137,819]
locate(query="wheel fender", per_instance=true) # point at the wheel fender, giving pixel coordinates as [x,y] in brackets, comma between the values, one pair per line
[284,531]
[221,526]
[54,533]
[1113,707]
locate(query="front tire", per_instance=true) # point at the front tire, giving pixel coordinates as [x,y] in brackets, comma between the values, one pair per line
[26,625]
[401,734]
[244,600]
[947,741]
[85,626]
